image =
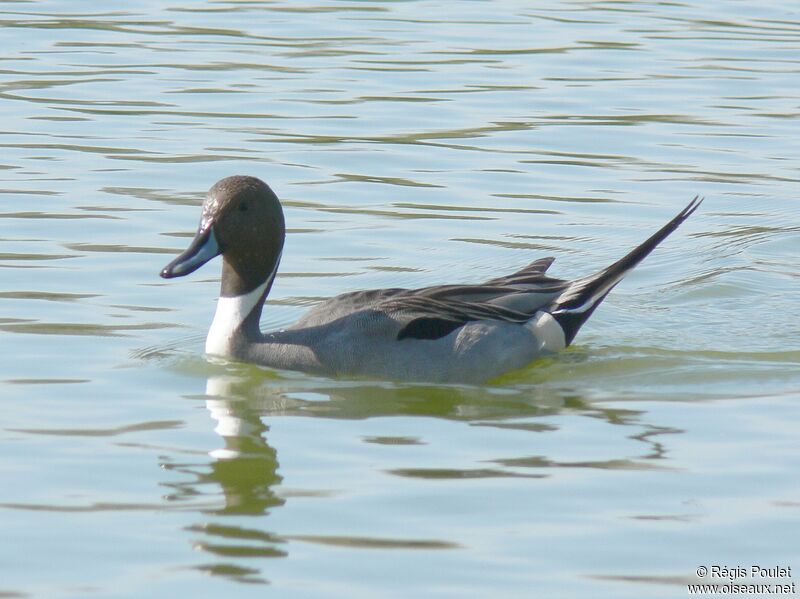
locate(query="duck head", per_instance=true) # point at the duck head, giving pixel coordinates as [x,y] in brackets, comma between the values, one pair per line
[242,220]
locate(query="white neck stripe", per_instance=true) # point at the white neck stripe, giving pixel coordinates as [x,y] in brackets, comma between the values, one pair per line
[231,314]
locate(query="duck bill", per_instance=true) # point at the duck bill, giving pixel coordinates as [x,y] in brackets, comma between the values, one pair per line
[203,248]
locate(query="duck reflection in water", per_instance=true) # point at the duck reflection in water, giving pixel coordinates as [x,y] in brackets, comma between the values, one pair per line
[245,471]
[245,468]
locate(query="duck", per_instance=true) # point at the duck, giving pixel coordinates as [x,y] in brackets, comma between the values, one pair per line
[450,333]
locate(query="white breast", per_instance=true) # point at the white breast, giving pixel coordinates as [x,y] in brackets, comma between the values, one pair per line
[230,314]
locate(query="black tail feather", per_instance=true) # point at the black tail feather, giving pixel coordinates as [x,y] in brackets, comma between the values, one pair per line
[573,307]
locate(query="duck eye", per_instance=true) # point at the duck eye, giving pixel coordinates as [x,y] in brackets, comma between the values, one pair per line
[243,207]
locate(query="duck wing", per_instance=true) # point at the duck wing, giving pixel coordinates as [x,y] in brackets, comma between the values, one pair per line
[434,312]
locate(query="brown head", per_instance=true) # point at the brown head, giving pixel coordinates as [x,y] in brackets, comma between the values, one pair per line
[242,220]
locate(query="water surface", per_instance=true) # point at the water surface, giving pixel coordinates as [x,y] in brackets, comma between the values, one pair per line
[412,143]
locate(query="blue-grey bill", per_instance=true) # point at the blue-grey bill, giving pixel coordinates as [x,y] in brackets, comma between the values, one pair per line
[203,248]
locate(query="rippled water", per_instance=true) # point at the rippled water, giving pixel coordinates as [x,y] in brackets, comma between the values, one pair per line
[412,143]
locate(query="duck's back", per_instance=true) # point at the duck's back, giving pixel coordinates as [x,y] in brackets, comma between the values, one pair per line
[525,291]
[345,304]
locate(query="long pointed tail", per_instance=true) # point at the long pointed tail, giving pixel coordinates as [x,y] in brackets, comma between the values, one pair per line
[574,306]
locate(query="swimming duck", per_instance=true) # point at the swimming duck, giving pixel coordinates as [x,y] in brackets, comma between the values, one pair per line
[445,333]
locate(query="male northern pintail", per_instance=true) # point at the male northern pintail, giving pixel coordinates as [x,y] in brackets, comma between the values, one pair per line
[445,333]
